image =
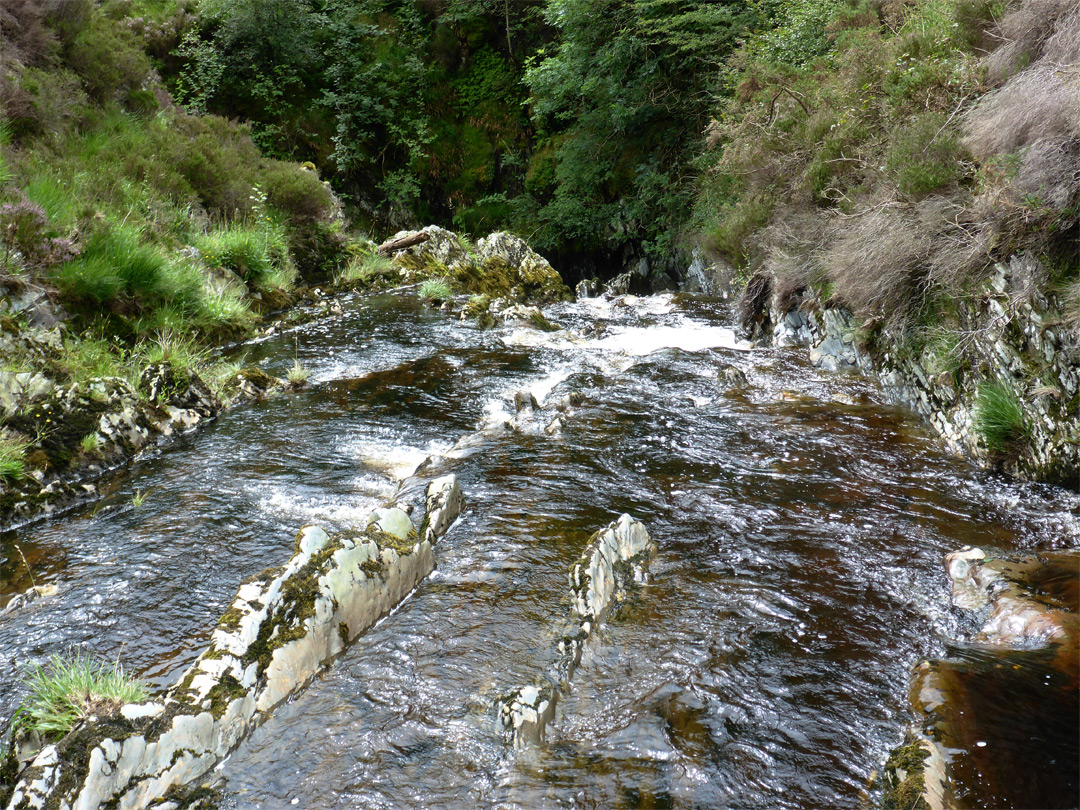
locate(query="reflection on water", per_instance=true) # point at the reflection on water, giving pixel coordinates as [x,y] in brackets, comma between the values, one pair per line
[801,526]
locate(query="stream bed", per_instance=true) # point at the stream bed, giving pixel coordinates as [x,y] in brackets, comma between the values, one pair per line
[801,523]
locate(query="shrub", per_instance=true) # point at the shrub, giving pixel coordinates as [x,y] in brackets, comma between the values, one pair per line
[924,155]
[108,60]
[999,417]
[295,192]
[319,249]
[67,690]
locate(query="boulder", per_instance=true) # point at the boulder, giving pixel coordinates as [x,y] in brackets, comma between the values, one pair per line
[500,265]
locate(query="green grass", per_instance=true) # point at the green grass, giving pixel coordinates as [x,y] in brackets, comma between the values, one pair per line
[364,268]
[139,498]
[67,690]
[258,254]
[434,290]
[90,443]
[298,374]
[12,459]
[999,417]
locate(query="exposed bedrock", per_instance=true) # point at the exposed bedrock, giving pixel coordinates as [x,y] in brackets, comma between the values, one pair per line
[971,728]
[284,626]
[1004,336]
[615,557]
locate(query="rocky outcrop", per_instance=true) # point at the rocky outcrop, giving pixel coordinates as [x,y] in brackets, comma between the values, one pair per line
[500,265]
[615,557]
[1006,335]
[1025,652]
[76,431]
[284,626]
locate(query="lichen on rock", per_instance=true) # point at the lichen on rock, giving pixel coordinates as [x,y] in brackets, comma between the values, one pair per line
[614,558]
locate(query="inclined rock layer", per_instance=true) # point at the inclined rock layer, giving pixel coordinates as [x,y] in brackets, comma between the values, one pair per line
[283,627]
[615,557]
[1007,335]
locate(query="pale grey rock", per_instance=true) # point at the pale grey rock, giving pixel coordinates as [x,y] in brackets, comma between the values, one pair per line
[445,502]
[614,558]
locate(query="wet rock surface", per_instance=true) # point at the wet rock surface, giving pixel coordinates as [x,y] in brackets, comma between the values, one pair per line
[499,265]
[284,626]
[1006,700]
[1007,335]
[78,431]
[615,558]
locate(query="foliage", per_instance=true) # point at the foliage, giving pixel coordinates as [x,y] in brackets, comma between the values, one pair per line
[12,458]
[623,96]
[924,155]
[999,417]
[67,690]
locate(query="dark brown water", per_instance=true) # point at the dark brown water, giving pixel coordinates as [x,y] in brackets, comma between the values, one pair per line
[801,527]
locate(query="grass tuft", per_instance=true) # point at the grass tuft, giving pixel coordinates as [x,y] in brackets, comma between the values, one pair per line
[12,458]
[999,417]
[67,690]
[365,268]
[298,374]
[435,290]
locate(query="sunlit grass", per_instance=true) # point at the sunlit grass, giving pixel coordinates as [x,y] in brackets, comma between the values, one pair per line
[67,690]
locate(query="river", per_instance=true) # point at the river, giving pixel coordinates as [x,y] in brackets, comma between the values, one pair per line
[801,523]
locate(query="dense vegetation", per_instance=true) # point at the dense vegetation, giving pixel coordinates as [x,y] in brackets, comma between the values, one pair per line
[880,153]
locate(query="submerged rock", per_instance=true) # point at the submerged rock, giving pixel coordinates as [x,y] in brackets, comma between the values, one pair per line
[521,315]
[732,377]
[28,597]
[588,288]
[981,749]
[614,558]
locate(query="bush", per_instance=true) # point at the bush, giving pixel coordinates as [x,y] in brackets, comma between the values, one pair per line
[68,690]
[296,192]
[319,249]
[924,155]
[108,60]
[999,417]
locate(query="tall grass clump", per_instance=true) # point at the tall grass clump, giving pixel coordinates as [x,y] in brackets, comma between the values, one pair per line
[999,417]
[12,458]
[67,690]
[117,265]
[258,254]
[365,269]
[434,290]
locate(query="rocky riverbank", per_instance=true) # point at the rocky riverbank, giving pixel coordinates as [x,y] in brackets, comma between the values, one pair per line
[71,429]
[1000,385]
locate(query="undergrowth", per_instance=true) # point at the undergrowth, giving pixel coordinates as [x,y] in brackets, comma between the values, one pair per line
[896,163]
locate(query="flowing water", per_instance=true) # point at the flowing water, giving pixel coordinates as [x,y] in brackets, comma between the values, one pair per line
[801,524]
